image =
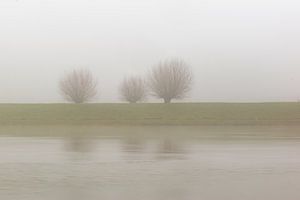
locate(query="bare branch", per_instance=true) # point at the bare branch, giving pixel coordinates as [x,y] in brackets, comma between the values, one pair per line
[170,80]
[78,86]
[133,89]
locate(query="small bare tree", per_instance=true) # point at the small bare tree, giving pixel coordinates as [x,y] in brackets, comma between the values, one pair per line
[78,86]
[133,89]
[171,79]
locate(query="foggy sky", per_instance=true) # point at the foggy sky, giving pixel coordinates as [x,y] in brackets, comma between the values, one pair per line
[239,50]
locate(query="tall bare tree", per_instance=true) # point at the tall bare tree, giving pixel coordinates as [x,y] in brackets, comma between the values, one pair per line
[170,79]
[133,89]
[78,86]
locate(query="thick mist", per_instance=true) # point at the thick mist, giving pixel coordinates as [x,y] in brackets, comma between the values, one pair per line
[239,51]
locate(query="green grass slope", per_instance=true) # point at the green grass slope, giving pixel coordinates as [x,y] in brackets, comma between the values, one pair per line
[152,114]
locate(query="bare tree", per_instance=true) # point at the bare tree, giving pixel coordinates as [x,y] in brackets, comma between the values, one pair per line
[171,79]
[133,89]
[78,86]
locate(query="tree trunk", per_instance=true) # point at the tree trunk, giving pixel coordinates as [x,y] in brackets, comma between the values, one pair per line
[167,100]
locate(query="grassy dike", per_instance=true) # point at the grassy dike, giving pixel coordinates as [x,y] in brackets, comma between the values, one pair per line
[152,114]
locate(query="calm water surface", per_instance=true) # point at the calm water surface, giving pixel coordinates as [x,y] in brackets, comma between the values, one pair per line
[149,163]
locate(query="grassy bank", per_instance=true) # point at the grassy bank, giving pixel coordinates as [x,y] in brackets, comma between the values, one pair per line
[152,114]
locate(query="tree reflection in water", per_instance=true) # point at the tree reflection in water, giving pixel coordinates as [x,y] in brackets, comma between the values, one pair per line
[169,149]
[133,145]
[79,143]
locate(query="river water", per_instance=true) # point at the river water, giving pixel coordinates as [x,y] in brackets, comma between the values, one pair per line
[149,163]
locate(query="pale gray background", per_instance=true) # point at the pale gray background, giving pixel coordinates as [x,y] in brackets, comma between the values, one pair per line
[240,50]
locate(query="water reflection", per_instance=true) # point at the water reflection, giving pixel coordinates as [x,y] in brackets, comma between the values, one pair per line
[133,164]
[133,145]
[154,149]
[170,149]
[78,144]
